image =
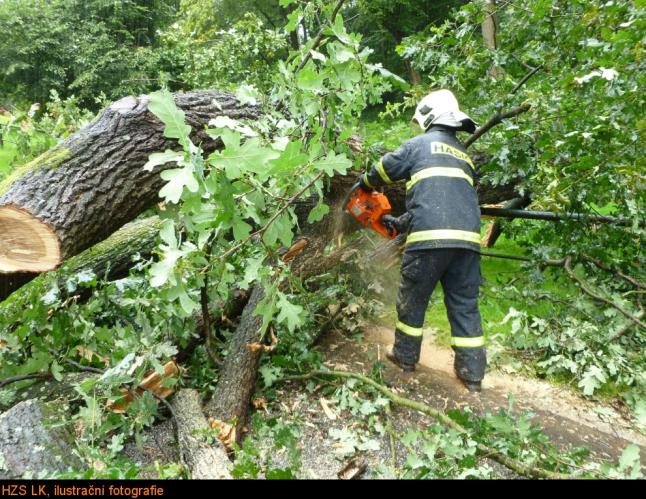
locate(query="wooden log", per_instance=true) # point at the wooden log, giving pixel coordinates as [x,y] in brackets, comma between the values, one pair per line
[32,440]
[204,460]
[237,380]
[109,259]
[85,188]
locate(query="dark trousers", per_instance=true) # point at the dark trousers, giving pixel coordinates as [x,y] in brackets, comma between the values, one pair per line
[458,270]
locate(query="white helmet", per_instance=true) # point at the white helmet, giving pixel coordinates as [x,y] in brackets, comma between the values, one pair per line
[441,108]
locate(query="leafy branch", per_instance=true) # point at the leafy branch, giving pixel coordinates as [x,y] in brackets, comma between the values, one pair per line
[319,38]
[496,119]
[589,291]
[617,273]
[278,213]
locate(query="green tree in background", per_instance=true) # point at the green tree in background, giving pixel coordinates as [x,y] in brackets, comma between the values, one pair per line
[81,48]
[213,56]
[385,23]
[134,22]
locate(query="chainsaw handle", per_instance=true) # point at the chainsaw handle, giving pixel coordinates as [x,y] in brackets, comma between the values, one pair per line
[391,224]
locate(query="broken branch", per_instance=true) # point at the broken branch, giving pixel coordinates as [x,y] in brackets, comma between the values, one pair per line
[203,459]
[509,462]
[24,377]
[319,38]
[602,266]
[496,120]
[525,78]
[586,289]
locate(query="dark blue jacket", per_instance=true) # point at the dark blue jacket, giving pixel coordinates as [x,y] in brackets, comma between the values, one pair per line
[440,193]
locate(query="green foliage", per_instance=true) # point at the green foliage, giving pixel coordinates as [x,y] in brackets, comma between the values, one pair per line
[230,216]
[131,326]
[220,58]
[256,458]
[385,23]
[583,343]
[570,158]
[27,134]
[349,442]
[125,329]
[230,213]
[81,48]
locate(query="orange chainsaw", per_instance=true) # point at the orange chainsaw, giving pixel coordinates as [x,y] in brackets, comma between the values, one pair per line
[368,208]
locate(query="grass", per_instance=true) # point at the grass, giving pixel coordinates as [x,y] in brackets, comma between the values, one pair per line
[497,274]
[7,155]
[387,132]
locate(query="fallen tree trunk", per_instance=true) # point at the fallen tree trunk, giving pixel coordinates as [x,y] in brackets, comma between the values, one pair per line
[85,188]
[109,259]
[83,200]
[237,380]
[238,375]
[203,460]
[32,440]
[82,190]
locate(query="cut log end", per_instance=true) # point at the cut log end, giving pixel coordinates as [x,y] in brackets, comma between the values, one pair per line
[26,244]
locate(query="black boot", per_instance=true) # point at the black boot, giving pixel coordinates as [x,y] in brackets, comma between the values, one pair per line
[472,386]
[390,355]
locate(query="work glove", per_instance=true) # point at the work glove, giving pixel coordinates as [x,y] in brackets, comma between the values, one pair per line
[360,183]
[399,224]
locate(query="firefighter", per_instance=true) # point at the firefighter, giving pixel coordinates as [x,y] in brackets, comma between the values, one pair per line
[443,241]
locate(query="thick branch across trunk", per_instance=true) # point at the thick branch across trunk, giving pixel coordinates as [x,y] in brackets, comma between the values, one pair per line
[81,191]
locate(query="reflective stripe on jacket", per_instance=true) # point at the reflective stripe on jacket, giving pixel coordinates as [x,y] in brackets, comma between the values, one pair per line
[440,193]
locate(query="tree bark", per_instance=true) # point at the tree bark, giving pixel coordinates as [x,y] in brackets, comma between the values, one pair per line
[32,442]
[84,189]
[238,376]
[494,230]
[489,31]
[489,25]
[204,461]
[237,380]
